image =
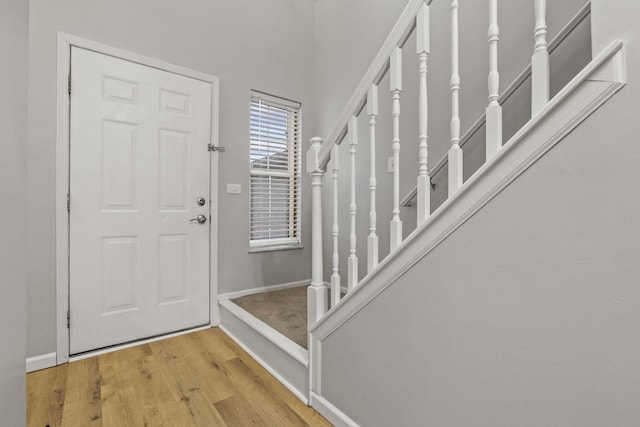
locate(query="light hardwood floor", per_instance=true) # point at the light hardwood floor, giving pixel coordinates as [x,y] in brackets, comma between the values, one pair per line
[198,379]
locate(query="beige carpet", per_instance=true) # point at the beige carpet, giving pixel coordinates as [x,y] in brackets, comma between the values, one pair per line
[285,311]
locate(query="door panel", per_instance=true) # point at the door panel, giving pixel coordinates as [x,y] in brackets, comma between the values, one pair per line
[174,157]
[138,162]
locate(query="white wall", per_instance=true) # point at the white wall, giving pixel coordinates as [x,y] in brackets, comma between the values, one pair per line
[13,188]
[261,44]
[347,40]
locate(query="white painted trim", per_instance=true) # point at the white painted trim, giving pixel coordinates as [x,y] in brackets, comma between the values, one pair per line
[273,248]
[397,36]
[334,415]
[266,366]
[580,98]
[135,343]
[298,353]
[262,289]
[315,365]
[65,43]
[214,308]
[43,361]
[573,23]
[62,188]
[71,40]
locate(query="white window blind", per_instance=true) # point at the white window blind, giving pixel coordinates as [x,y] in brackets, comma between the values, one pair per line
[275,171]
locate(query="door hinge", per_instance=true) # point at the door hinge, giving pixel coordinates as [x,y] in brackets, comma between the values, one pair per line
[68,203]
[68,319]
[212,147]
[69,84]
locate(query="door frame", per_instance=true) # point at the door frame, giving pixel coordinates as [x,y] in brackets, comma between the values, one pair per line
[65,43]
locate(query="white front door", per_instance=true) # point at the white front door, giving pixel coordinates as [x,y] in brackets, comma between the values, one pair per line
[139,176]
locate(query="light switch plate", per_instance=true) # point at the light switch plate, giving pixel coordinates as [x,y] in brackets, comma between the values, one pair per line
[234,188]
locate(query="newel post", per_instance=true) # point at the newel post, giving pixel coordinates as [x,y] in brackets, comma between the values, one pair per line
[317,297]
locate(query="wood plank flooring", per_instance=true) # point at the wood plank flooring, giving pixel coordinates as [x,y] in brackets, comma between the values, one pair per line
[198,379]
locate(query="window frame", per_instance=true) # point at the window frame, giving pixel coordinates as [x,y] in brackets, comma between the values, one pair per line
[294,173]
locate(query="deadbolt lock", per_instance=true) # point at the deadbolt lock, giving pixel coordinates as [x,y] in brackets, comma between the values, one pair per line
[201,201]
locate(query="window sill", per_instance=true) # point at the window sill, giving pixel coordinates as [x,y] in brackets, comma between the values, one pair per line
[274,248]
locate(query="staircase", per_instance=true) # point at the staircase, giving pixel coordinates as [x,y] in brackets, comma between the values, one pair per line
[354,376]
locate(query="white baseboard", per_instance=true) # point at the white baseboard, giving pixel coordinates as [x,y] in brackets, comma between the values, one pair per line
[266,366]
[238,294]
[41,362]
[334,415]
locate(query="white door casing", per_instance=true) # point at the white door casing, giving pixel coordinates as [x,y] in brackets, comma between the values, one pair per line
[138,267]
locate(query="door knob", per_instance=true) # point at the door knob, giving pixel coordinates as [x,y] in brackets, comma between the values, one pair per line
[201,219]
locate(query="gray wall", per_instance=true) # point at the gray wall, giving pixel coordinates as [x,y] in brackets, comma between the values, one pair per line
[347,40]
[343,59]
[260,44]
[529,313]
[13,189]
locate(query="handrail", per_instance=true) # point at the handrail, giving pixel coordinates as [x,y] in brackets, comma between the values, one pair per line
[577,19]
[398,36]
[394,265]
[415,17]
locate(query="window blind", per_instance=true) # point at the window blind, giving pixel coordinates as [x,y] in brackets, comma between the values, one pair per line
[275,171]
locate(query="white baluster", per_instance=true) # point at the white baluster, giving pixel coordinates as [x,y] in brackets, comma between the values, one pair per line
[352,262]
[396,87]
[317,292]
[540,61]
[372,239]
[424,182]
[455,153]
[335,277]
[494,110]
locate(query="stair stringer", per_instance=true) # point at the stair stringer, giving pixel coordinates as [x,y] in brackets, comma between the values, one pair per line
[590,89]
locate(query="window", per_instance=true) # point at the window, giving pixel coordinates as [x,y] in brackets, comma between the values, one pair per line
[275,172]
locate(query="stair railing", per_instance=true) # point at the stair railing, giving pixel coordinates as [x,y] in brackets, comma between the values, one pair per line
[415,17]
[493,139]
